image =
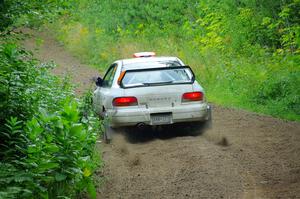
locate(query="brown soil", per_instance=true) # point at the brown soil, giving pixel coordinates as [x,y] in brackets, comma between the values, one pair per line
[245,155]
[47,49]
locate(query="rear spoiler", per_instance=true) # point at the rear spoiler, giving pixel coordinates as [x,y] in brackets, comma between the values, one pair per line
[122,75]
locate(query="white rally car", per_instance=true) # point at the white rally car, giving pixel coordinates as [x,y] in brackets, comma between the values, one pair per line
[149,90]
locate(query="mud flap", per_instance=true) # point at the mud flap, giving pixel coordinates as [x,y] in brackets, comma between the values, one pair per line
[208,123]
[107,131]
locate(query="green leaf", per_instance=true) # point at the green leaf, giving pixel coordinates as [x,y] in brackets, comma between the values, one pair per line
[47,166]
[5,134]
[60,177]
[91,190]
[86,172]
[32,149]
[21,178]
[52,148]
[77,130]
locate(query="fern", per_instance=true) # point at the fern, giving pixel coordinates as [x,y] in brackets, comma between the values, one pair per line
[13,141]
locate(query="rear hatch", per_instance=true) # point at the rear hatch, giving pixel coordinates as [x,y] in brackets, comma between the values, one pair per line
[159,86]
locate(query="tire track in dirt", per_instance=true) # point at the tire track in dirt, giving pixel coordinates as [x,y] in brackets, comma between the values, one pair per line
[245,155]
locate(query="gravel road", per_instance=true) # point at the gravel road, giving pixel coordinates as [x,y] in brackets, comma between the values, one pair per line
[245,155]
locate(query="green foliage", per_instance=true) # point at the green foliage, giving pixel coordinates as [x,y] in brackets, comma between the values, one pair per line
[15,13]
[59,155]
[26,85]
[61,148]
[12,140]
[242,51]
[47,135]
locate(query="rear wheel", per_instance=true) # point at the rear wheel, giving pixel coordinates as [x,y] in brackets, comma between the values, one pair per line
[107,130]
[208,122]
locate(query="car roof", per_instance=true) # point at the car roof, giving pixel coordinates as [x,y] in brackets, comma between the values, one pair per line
[149,62]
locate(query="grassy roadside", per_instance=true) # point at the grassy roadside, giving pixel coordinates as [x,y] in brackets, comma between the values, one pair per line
[238,54]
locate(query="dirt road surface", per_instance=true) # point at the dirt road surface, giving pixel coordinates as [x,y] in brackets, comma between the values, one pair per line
[244,155]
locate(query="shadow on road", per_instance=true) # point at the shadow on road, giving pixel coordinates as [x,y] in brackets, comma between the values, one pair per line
[147,134]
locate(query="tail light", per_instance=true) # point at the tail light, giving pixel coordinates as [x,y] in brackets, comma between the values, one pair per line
[192,96]
[125,101]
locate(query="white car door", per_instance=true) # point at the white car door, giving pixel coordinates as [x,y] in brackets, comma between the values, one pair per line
[101,93]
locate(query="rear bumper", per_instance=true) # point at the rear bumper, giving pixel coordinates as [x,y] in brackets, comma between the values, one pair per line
[133,116]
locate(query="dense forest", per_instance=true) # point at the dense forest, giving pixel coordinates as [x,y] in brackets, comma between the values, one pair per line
[246,53]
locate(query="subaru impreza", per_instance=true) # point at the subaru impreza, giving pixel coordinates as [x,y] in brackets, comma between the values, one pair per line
[149,91]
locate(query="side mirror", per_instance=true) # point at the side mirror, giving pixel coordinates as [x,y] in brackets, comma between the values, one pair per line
[99,81]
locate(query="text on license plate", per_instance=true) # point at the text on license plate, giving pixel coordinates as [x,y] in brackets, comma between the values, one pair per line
[161,118]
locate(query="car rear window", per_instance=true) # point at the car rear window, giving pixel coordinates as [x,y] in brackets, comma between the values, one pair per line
[157,76]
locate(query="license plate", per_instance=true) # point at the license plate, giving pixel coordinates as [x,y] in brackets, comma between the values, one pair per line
[161,118]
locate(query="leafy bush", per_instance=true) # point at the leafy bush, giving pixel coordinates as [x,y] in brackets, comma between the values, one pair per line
[16,13]
[26,85]
[47,135]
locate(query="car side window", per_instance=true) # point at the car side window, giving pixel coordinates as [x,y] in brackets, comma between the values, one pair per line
[109,77]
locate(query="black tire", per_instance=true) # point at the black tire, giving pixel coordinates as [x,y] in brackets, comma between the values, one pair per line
[208,122]
[107,130]
[197,128]
[106,139]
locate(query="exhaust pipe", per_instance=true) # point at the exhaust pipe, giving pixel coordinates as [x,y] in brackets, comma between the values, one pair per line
[141,125]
